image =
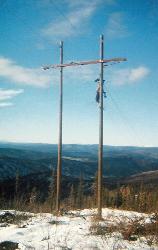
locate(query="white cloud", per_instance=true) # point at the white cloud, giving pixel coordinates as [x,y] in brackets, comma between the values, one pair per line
[18,74]
[13,72]
[128,76]
[6,104]
[6,94]
[116,27]
[138,73]
[37,77]
[74,22]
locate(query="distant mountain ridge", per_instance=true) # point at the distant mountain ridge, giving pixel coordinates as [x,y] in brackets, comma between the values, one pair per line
[119,161]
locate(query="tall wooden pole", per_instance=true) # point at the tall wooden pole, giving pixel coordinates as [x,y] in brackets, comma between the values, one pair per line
[59,166]
[100,150]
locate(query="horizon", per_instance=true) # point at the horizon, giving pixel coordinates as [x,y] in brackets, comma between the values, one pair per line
[80,144]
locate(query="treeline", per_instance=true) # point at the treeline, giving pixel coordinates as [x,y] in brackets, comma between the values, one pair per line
[40,196]
[138,197]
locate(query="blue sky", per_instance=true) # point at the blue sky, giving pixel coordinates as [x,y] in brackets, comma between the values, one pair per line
[30,35]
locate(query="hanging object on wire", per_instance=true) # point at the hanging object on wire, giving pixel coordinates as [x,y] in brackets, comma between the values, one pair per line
[97,97]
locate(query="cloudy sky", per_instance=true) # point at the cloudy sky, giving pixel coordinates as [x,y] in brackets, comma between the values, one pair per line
[30,32]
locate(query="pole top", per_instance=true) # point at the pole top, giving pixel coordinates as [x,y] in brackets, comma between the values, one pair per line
[102,37]
[61,43]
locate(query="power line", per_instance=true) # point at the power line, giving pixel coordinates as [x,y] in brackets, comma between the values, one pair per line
[63,15]
[125,120]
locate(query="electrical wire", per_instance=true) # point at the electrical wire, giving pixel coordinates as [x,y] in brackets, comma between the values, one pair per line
[26,27]
[124,119]
[62,14]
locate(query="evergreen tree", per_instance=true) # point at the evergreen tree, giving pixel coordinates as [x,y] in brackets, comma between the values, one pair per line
[17,185]
[71,199]
[80,193]
[95,189]
[52,190]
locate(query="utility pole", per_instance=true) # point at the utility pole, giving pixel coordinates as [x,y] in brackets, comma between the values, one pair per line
[62,65]
[59,166]
[100,149]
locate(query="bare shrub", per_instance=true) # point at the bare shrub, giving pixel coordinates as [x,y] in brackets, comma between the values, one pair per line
[13,218]
[98,229]
[131,229]
[8,245]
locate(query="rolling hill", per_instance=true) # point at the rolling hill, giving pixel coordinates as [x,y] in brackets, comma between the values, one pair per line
[33,158]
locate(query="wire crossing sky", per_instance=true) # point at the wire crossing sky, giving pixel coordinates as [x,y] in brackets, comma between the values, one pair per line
[30,35]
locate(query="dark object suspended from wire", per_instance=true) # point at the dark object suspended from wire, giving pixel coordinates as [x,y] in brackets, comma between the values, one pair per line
[97,97]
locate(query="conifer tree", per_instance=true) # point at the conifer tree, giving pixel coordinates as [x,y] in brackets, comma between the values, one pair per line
[71,199]
[52,189]
[95,189]
[17,185]
[80,194]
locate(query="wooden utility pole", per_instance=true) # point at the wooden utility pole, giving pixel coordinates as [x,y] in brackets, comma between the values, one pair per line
[59,166]
[102,62]
[100,150]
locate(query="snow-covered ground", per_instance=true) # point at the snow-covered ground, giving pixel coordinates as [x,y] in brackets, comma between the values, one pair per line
[70,231]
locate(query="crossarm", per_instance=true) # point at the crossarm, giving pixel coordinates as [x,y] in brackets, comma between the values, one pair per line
[83,63]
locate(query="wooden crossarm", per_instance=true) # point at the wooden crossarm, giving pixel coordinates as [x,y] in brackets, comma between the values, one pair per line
[55,66]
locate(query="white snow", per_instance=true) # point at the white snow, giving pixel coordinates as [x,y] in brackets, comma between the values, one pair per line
[71,231]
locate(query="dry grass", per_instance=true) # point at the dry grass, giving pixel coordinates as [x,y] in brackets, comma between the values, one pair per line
[130,230]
